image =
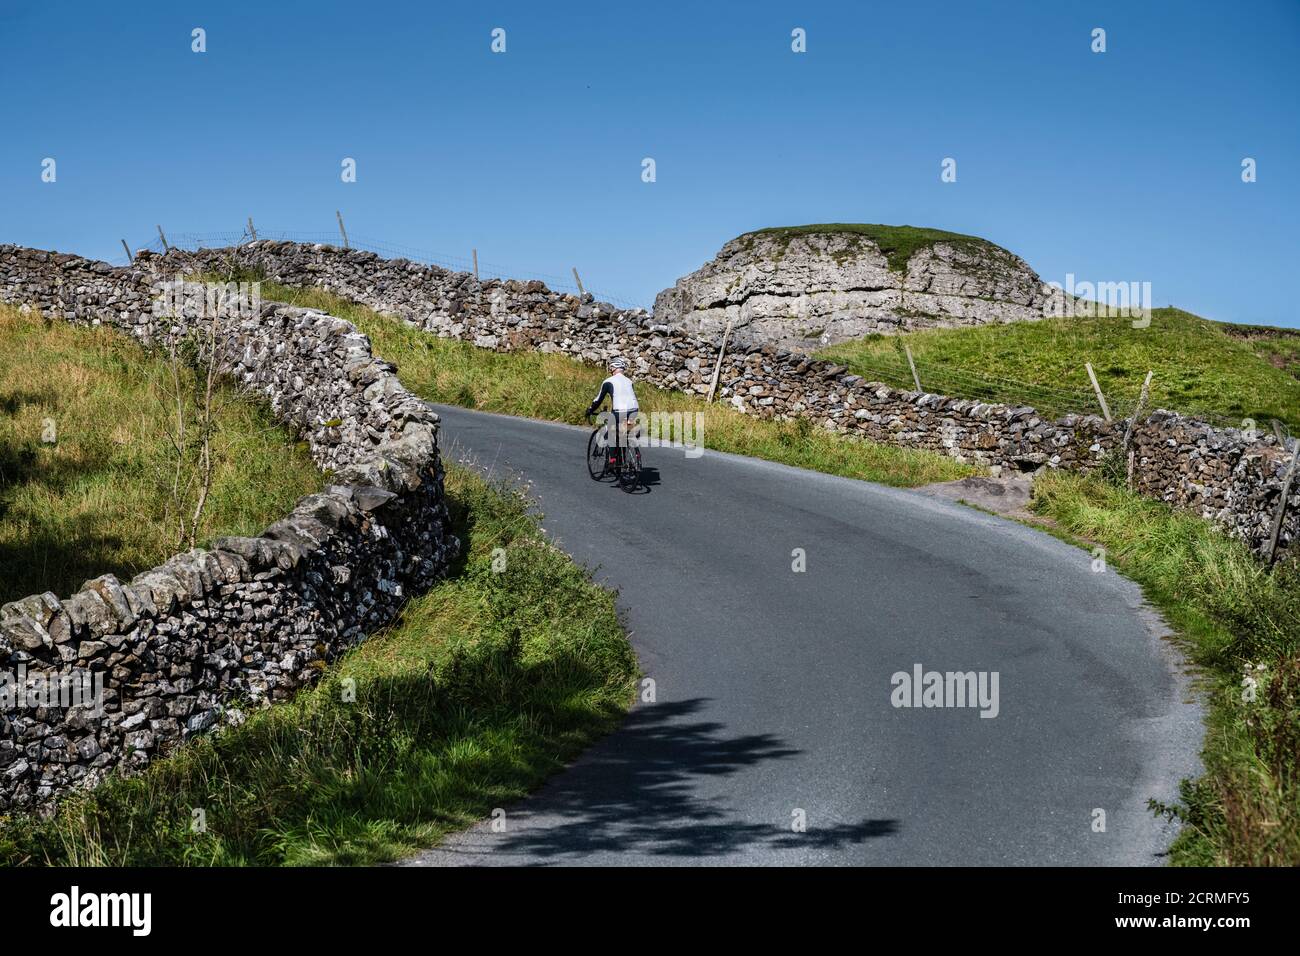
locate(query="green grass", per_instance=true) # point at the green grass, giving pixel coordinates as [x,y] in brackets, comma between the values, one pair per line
[1231,613]
[98,500]
[557,388]
[898,243]
[490,681]
[1280,348]
[1200,367]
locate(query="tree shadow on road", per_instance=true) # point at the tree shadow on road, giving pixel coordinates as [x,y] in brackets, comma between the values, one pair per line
[635,793]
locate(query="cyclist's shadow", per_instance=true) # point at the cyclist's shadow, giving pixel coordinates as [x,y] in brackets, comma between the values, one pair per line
[649,479]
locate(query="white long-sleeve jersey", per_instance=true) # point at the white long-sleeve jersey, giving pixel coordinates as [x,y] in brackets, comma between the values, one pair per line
[618,387]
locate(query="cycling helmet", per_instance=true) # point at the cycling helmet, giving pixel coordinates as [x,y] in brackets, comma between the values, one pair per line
[618,363]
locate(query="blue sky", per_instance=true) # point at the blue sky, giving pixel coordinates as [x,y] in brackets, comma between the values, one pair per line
[1121,166]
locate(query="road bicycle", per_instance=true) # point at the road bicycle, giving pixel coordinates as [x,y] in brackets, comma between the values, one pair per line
[620,460]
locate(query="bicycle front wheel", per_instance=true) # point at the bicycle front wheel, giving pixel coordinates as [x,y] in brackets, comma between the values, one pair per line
[597,456]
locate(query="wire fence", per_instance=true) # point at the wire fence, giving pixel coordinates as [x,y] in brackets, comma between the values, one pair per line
[486,270]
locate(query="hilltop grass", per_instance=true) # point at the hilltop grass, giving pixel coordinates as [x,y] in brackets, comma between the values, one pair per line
[558,388]
[98,499]
[1200,367]
[488,683]
[898,243]
[1231,614]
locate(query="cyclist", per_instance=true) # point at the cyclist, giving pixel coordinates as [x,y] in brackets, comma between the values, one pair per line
[622,400]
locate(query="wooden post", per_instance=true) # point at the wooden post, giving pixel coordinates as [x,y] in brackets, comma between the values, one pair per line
[342,231]
[717,368]
[1128,431]
[166,248]
[475,265]
[1145,393]
[129,258]
[581,293]
[912,365]
[1276,531]
[1137,409]
[252,231]
[1101,399]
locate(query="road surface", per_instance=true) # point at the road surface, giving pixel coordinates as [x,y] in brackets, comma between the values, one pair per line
[774,738]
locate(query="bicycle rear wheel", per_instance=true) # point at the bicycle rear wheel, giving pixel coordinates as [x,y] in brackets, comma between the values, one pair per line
[630,476]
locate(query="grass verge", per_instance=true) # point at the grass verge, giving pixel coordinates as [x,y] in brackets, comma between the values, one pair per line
[489,682]
[1234,617]
[1200,367]
[558,388]
[87,467]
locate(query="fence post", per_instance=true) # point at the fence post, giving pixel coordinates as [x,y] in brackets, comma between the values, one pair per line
[1276,531]
[252,231]
[916,379]
[581,293]
[1144,395]
[342,231]
[166,248]
[1132,422]
[475,265]
[717,368]
[1101,399]
[129,258]
[1137,409]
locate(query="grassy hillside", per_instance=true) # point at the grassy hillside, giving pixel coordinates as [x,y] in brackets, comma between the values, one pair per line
[99,498]
[898,243]
[1278,347]
[1201,367]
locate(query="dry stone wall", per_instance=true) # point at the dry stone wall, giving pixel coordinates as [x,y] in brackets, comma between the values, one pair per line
[1220,474]
[186,646]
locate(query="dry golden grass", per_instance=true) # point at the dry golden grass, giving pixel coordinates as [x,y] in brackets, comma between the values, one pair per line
[98,498]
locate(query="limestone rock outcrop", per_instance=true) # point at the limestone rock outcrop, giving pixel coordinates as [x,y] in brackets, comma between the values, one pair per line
[810,286]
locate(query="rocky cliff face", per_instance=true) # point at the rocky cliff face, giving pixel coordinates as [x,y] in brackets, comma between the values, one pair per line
[811,286]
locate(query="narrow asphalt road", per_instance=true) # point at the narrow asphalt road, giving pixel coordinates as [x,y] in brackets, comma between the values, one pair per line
[774,687]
